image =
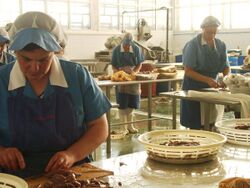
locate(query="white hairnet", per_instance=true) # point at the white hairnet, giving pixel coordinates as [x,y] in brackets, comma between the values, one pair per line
[128,39]
[38,20]
[210,21]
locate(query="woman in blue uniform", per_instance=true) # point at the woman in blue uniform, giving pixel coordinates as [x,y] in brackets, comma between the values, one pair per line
[127,57]
[5,57]
[53,115]
[203,58]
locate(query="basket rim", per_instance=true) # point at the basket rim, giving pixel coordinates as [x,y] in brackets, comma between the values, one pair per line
[205,133]
[219,125]
[16,179]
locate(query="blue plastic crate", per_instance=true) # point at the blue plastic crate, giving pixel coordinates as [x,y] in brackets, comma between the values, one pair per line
[178,58]
[241,59]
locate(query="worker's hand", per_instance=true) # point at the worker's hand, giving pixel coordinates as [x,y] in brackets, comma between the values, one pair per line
[11,158]
[222,85]
[127,69]
[61,160]
[212,83]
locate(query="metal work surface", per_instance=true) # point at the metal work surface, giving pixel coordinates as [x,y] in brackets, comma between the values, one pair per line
[137,171]
[183,95]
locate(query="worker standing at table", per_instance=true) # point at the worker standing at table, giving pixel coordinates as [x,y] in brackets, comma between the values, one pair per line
[127,57]
[53,114]
[5,57]
[203,58]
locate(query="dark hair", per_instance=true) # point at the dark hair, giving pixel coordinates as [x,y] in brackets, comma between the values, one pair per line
[31,47]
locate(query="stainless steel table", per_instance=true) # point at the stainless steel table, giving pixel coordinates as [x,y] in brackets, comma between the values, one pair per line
[239,69]
[183,95]
[136,171]
[108,84]
[90,64]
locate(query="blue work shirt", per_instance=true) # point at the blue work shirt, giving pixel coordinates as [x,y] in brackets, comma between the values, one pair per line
[88,99]
[134,52]
[198,56]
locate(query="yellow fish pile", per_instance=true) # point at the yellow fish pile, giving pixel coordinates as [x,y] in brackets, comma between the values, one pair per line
[122,76]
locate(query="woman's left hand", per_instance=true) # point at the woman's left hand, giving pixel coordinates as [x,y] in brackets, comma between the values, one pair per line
[61,160]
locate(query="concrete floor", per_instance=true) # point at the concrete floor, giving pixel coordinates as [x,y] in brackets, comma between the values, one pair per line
[130,143]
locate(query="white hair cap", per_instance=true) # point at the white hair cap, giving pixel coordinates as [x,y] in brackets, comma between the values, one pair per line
[210,21]
[128,39]
[39,20]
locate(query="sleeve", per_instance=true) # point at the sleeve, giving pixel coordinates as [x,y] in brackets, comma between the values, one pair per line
[189,55]
[115,57]
[140,57]
[95,103]
[224,57]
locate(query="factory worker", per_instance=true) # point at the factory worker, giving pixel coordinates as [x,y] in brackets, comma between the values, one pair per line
[127,57]
[5,57]
[53,115]
[203,58]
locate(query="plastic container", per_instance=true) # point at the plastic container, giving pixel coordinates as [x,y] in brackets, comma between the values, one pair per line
[10,181]
[155,143]
[234,136]
[178,58]
[144,87]
[241,59]
[233,61]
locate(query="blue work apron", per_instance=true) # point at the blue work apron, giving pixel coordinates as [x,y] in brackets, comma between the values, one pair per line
[127,96]
[40,128]
[190,115]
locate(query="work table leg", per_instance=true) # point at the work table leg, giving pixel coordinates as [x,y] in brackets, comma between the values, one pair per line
[149,106]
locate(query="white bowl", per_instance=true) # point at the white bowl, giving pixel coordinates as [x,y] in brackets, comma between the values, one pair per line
[7,181]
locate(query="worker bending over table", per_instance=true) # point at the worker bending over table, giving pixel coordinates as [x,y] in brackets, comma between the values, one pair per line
[127,57]
[53,114]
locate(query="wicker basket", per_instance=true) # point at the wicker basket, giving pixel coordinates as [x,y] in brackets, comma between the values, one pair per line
[206,151]
[235,136]
[8,181]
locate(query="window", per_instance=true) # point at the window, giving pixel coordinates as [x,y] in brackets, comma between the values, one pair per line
[190,13]
[108,14]
[31,5]
[59,11]
[71,14]
[145,10]
[131,16]
[160,22]
[79,15]
[149,16]
[237,18]
[8,13]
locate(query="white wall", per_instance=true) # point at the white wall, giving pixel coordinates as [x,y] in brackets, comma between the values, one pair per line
[84,45]
[232,40]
